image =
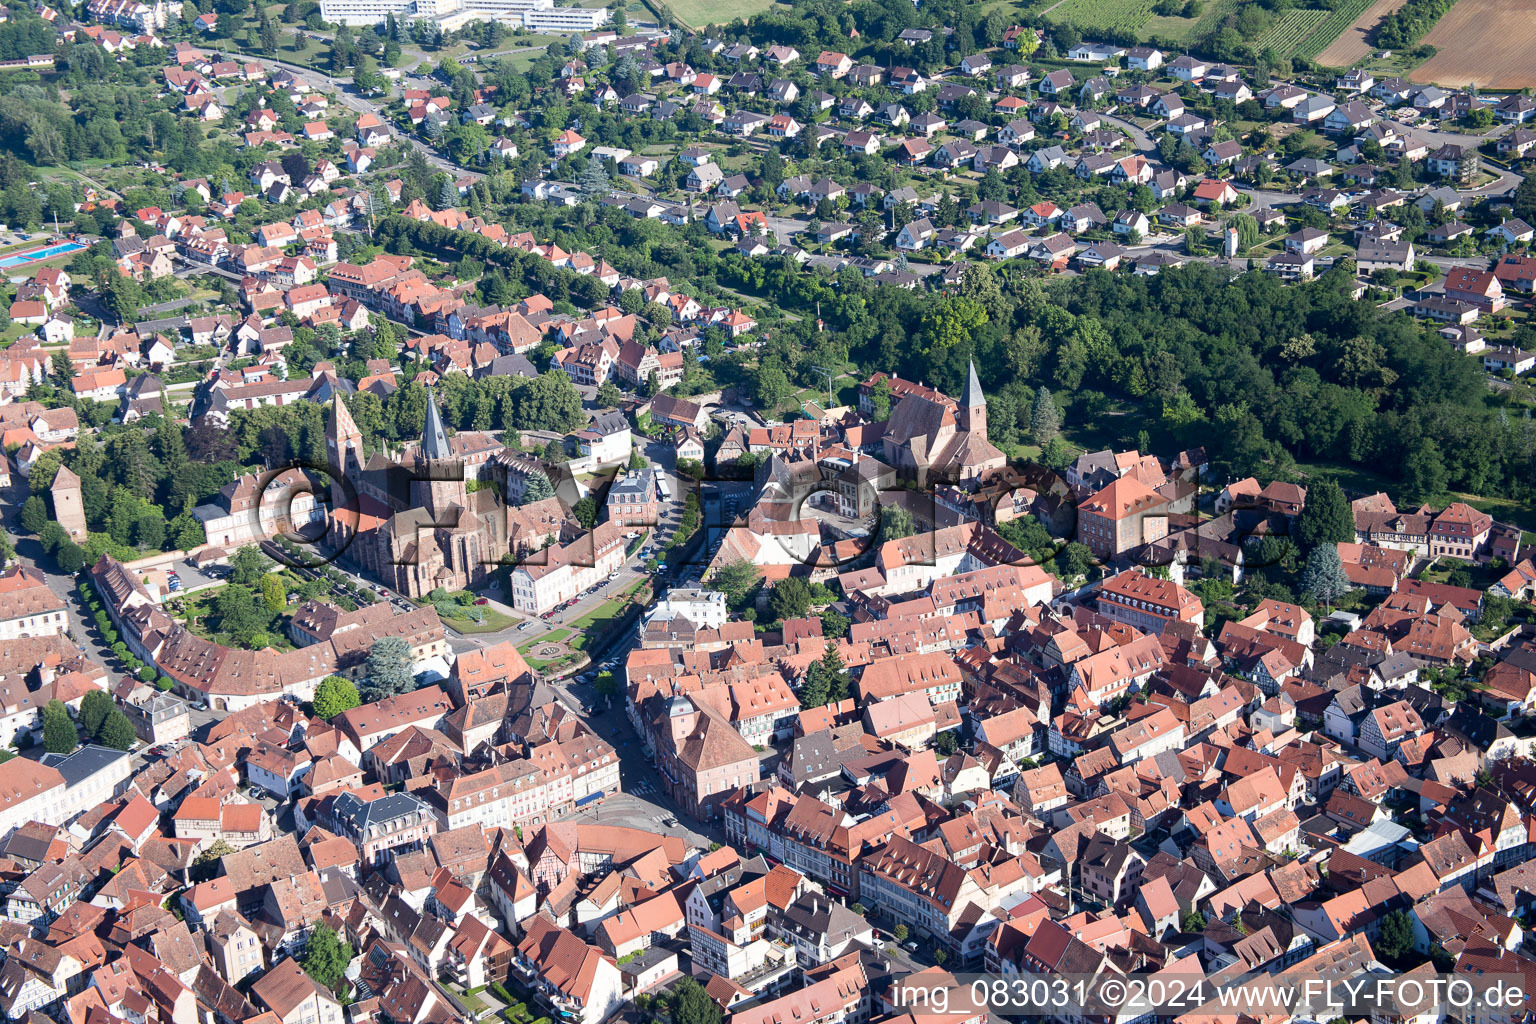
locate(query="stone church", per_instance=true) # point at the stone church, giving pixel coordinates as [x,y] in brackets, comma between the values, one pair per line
[415,523]
[932,439]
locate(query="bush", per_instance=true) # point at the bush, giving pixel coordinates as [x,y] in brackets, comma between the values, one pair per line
[164,683]
[146,674]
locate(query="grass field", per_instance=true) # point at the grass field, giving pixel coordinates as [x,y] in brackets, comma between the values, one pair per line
[698,13]
[1188,29]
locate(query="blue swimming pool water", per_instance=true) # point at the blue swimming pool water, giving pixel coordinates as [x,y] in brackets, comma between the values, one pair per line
[34,255]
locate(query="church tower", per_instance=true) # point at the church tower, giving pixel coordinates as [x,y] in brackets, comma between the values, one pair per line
[973,406]
[343,442]
[439,476]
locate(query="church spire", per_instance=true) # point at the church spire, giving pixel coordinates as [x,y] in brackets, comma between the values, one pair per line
[341,426]
[973,396]
[434,439]
[973,405]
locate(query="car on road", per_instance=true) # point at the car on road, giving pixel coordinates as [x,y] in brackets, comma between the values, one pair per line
[879,943]
[910,946]
[613,576]
[523,625]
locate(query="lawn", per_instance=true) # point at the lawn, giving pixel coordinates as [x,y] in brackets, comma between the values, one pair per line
[1171,28]
[491,621]
[698,13]
[600,617]
[554,636]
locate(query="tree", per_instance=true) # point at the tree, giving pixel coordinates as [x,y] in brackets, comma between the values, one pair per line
[1396,935]
[117,732]
[273,593]
[951,320]
[901,933]
[896,522]
[609,395]
[59,733]
[334,695]
[389,666]
[772,385]
[537,489]
[736,580]
[1044,419]
[1193,923]
[830,674]
[834,624]
[94,708]
[1326,518]
[594,177]
[1323,578]
[692,1005]
[34,514]
[247,567]
[325,957]
[585,512]
[880,399]
[790,599]
[1424,473]
[814,691]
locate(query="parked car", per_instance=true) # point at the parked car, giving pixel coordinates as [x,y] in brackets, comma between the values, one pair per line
[482,600]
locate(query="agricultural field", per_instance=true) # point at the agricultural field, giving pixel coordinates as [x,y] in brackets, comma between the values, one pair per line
[1286,36]
[1354,45]
[1090,16]
[1483,42]
[1332,27]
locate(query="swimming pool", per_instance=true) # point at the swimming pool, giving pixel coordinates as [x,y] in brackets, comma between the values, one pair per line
[33,255]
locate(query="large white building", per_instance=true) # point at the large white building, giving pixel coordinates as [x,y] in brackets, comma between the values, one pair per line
[59,787]
[704,608]
[28,607]
[565,571]
[534,15]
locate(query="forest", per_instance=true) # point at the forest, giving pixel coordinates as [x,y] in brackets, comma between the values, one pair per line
[1270,377]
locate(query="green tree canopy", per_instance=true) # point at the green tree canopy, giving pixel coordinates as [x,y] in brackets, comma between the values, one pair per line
[325,957]
[59,733]
[1326,517]
[1323,578]
[334,695]
[389,667]
[94,708]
